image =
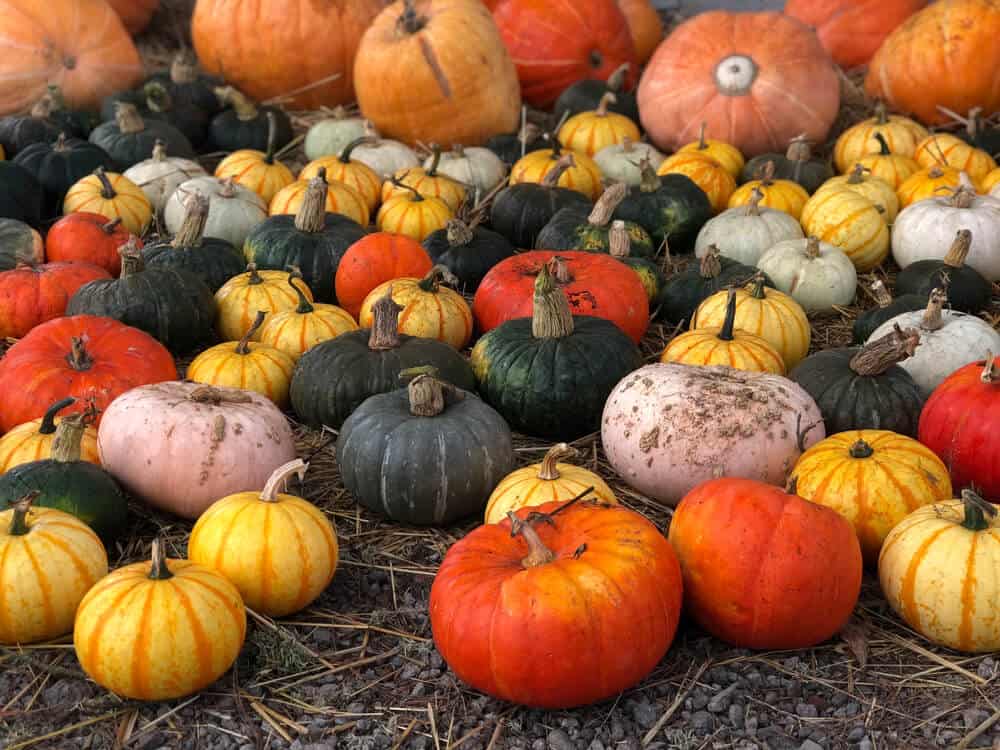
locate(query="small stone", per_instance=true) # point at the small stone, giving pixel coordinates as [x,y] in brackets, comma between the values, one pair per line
[856,734]
[810,745]
[736,715]
[750,727]
[948,737]
[702,722]
[699,700]
[720,702]
[559,740]
[865,744]
[973,717]
[645,714]
[986,668]
[852,709]
[595,745]
[806,710]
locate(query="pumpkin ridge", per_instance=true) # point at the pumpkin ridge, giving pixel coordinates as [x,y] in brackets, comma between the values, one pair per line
[220,595]
[304,558]
[43,583]
[65,548]
[906,589]
[5,626]
[901,487]
[968,598]
[140,651]
[93,668]
[202,643]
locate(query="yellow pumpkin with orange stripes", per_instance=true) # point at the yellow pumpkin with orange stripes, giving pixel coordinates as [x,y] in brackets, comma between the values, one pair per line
[427,182]
[32,441]
[412,214]
[279,550]
[238,300]
[297,331]
[851,222]
[351,172]
[781,195]
[582,175]
[706,173]
[933,182]
[589,132]
[113,196]
[340,199]
[159,631]
[873,478]
[945,149]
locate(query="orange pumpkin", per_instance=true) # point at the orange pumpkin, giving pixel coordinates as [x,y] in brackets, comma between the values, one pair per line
[583,175]
[427,182]
[933,182]
[32,441]
[990,181]
[135,14]
[340,199]
[757,80]
[946,55]
[644,25]
[78,45]
[725,153]
[945,149]
[372,260]
[708,174]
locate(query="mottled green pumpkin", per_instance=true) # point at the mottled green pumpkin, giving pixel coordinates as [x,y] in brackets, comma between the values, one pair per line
[653,279]
[154,101]
[19,244]
[684,291]
[469,252]
[586,96]
[967,289]
[575,229]
[671,207]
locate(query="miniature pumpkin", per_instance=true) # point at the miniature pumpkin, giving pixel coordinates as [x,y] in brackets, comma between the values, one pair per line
[582,174]
[781,195]
[888,307]
[744,233]
[708,174]
[32,441]
[296,331]
[586,94]
[412,215]
[900,134]
[240,298]
[427,182]
[850,222]
[32,295]
[21,244]
[932,182]
[620,162]
[247,125]
[153,101]
[876,190]
[686,290]
[468,251]
[818,276]
[160,175]
[385,156]
[129,139]
[967,290]
[945,149]
[571,229]
[61,164]
[796,164]
[672,208]
[724,153]
[258,171]
[351,172]
[340,199]
[887,165]
[476,167]
[589,132]
[113,196]
[331,135]
[374,259]
[233,210]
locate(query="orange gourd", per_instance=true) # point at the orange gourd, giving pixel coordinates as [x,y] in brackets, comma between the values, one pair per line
[781,195]
[901,136]
[427,182]
[725,153]
[891,167]
[945,149]
[379,257]
[933,182]
[257,170]
[340,199]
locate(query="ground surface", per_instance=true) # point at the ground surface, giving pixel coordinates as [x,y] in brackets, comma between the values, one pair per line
[358,670]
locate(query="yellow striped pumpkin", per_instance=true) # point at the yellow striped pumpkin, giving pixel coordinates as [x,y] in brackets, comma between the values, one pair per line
[255,171]
[933,182]
[725,153]
[297,331]
[890,167]
[32,441]
[874,189]
[351,172]
[781,195]
[427,182]
[990,181]
[239,299]
[159,631]
[583,175]
[589,132]
[413,215]
[708,174]
[901,136]
[340,199]
[945,149]
[113,196]
[851,222]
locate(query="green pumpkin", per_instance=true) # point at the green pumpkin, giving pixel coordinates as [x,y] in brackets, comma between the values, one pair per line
[968,291]
[247,125]
[21,195]
[512,146]
[129,139]
[172,305]
[428,454]
[549,375]
[153,101]
[888,308]
[469,252]
[671,207]
[65,482]
[573,229]
[650,274]
[187,86]
[586,95]
[334,378]
[43,124]
[313,240]
[684,291]
[61,164]
[19,244]
[215,261]
[797,164]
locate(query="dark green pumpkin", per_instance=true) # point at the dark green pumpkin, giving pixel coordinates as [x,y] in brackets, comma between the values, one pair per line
[153,101]
[313,240]
[428,454]
[47,119]
[549,375]
[246,125]
[888,308]
[968,290]
[333,378]
[797,164]
[215,261]
[468,252]
[21,195]
[172,305]
[19,243]
[61,164]
[66,483]
[863,388]
[670,207]
[512,146]
[574,229]
[129,139]
[187,86]
[686,290]
[654,281]
[586,95]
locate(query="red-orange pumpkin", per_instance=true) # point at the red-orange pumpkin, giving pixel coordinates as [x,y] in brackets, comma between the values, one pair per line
[757,80]
[31,295]
[645,26]
[135,14]
[373,260]
[86,237]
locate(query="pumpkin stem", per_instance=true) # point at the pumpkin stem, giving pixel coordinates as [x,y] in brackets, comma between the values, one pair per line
[159,571]
[69,436]
[272,137]
[619,243]
[311,216]
[79,358]
[107,189]
[459,233]
[427,394]
[410,22]
[616,81]
[243,345]
[702,143]
[798,149]
[935,172]
[253,277]
[857,175]
[989,373]
[538,553]
[385,323]
[932,315]
[19,518]
[192,227]
[882,296]
[548,470]
[184,68]
[279,476]
[607,99]
[159,151]
[432,170]
[766,174]
[128,118]
[757,290]
[305,306]
[559,270]
[48,425]
[60,145]
[962,196]
[605,207]
[131,256]
[44,107]
[345,155]
[551,317]
[228,188]
[881,113]
[883,144]
[812,247]
[861,449]
[729,322]
[435,277]
[564,162]
[959,250]
[875,357]
[978,512]
[158,99]
[753,205]
[415,196]
[244,107]
[710,266]
[649,181]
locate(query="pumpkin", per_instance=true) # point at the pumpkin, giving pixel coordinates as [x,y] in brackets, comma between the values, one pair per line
[931,572]
[753,588]
[256,170]
[80,45]
[374,259]
[926,230]
[239,299]
[852,223]
[351,172]
[796,164]
[85,237]
[942,56]
[89,358]
[68,483]
[557,43]
[967,290]
[708,174]
[737,72]
[153,102]
[899,134]
[978,132]
[644,24]
[744,233]
[620,162]
[468,251]
[459,450]
[385,156]
[476,167]
[48,561]
[686,290]
[865,388]
[365,363]
[887,165]
[296,331]
[873,478]
[246,125]
[540,579]
[188,622]
[39,125]
[594,284]
[340,199]
[945,149]
[19,244]
[876,190]
[233,210]
[772,315]
[668,427]
[990,181]
[112,196]
[287,551]
[187,85]
[412,215]
[551,481]
[60,165]
[582,174]
[724,153]
[21,195]
[427,182]
[571,229]
[509,147]
[312,240]
[129,139]
[135,14]
[248,366]
[931,182]
[781,195]
[33,440]
[31,295]
[331,135]
[651,275]
[672,208]
[160,175]
[724,346]
[818,276]
[586,95]
[549,375]
[589,132]
[888,307]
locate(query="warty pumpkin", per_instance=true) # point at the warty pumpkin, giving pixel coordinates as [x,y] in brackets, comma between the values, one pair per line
[818,276]
[850,222]
[967,290]
[581,174]
[876,190]
[340,199]
[427,182]
[887,165]
[160,175]
[113,196]
[296,331]
[239,299]
[589,132]
[247,125]
[32,441]
[258,170]
[32,295]
[781,195]
[900,134]
[708,174]
[744,233]
[353,173]
[21,244]
[374,259]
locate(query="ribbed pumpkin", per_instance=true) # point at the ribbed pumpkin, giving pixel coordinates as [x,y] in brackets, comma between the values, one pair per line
[20,243]
[61,164]
[32,441]
[873,478]
[901,135]
[781,195]
[351,172]
[573,229]
[379,257]
[851,222]
[257,170]
[129,139]
[582,175]
[708,174]
[160,175]
[48,561]
[467,250]
[113,196]
[887,165]
[724,346]
[931,182]
[876,190]
[32,295]
[430,310]
[589,132]
[239,299]
[233,210]
[428,182]
[797,164]
[161,630]
[724,153]
[990,181]
[340,199]
[767,313]
[296,331]
[279,550]
[87,238]
[412,215]
[244,124]
[550,481]
[967,289]
[945,149]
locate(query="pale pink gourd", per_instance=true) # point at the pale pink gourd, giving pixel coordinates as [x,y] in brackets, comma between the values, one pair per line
[666,427]
[181,446]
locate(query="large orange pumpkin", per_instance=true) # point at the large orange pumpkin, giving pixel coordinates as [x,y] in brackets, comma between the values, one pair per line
[756,79]
[135,14]
[947,55]
[78,45]
[556,43]
[644,25]
[852,30]
[302,49]
[417,81]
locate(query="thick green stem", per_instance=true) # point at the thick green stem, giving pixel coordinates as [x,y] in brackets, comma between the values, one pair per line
[978,512]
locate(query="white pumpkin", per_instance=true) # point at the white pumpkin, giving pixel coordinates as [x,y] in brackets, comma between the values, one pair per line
[384,156]
[160,175]
[669,427]
[925,230]
[620,162]
[816,275]
[233,210]
[744,233]
[474,166]
[330,136]
[948,340]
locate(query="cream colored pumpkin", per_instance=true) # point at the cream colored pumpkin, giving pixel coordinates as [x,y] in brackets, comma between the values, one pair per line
[744,233]
[478,168]
[386,157]
[330,136]
[160,175]
[621,162]
[851,222]
[233,210]
[818,276]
